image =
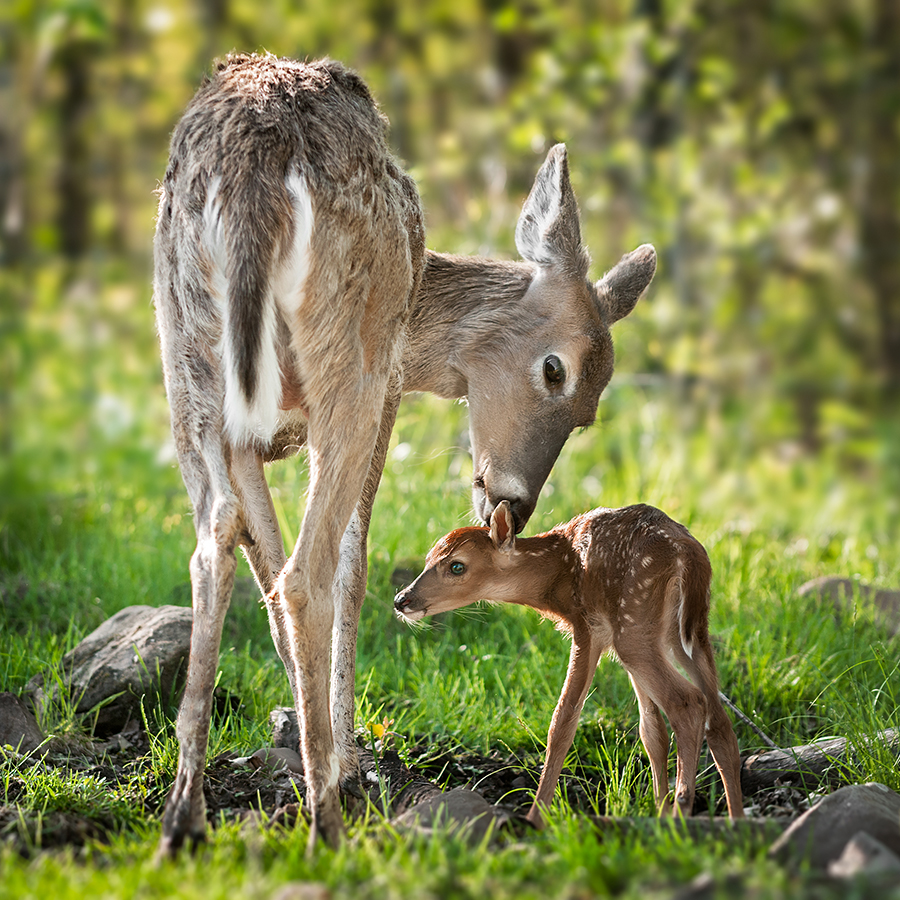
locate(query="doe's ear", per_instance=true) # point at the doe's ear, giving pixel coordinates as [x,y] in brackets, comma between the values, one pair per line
[548,232]
[503,527]
[621,287]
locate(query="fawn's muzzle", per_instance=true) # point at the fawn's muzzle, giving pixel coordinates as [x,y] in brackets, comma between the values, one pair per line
[403,602]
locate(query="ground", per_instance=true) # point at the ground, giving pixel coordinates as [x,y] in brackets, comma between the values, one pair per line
[245,788]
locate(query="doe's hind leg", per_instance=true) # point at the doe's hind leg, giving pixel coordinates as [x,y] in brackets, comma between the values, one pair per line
[218,523]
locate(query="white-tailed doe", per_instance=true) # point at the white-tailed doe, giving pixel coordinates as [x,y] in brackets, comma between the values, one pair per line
[295,301]
[628,580]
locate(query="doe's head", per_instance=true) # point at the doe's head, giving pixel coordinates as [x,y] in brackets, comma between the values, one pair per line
[537,372]
[464,566]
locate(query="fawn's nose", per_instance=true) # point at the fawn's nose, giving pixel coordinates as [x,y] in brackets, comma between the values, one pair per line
[402,601]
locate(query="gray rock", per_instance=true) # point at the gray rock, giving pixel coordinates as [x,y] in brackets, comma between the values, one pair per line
[285,729]
[18,726]
[864,855]
[141,650]
[822,833]
[278,759]
[458,811]
[846,595]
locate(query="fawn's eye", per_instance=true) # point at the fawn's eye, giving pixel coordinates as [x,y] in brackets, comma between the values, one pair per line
[456,567]
[554,371]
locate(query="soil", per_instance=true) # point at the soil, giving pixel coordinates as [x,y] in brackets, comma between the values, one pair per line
[245,789]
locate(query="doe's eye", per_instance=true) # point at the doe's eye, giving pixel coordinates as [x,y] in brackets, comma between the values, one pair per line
[554,370]
[457,568]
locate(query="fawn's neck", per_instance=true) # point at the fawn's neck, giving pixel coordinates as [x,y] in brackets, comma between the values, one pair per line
[551,573]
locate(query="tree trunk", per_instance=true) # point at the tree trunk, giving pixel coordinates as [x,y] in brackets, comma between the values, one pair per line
[811,766]
[75,194]
[880,219]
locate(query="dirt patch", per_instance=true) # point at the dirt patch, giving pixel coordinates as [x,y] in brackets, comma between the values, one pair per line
[241,788]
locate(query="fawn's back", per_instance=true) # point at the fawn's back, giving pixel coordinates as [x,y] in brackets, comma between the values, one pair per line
[629,558]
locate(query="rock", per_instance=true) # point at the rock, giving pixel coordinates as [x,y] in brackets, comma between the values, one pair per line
[822,833]
[140,650]
[278,759]
[882,605]
[864,855]
[285,730]
[18,726]
[459,811]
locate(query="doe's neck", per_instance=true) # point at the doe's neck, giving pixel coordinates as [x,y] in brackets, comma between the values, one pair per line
[461,303]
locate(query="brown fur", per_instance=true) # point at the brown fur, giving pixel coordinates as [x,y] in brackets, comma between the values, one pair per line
[630,581]
[295,301]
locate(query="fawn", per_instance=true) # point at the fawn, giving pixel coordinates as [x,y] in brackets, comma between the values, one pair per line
[630,581]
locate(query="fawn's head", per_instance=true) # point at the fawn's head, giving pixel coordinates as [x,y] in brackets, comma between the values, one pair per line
[534,377]
[467,565]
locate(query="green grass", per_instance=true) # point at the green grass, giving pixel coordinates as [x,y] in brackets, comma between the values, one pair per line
[566,861]
[79,542]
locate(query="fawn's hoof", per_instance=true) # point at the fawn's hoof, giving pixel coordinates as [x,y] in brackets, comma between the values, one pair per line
[684,805]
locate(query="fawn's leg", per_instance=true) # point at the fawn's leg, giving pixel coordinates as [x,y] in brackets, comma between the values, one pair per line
[583,660]
[682,702]
[726,754]
[655,738]
[719,734]
[686,711]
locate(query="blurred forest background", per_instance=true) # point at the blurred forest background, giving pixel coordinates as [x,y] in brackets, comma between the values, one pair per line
[754,142]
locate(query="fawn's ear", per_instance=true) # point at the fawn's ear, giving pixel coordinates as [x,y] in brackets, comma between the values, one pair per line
[503,527]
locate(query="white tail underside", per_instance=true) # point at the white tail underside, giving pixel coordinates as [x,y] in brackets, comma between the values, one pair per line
[258,420]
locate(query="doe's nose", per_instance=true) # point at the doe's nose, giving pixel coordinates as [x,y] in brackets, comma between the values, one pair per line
[521,509]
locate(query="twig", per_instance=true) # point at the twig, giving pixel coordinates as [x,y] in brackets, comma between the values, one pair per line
[748,721]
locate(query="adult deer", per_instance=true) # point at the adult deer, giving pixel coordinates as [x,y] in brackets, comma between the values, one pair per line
[295,301]
[628,580]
